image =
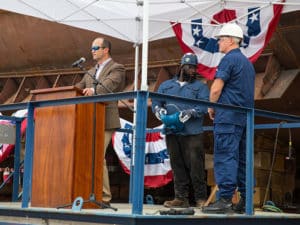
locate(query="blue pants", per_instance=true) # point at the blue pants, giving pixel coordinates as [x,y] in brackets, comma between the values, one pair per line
[230,159]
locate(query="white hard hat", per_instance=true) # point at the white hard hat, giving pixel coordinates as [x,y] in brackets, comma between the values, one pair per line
[232,30]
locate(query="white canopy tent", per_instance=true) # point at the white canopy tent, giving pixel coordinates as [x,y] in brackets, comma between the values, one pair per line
[136,21]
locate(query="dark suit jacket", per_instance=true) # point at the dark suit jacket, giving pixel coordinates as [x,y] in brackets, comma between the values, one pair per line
[113,78]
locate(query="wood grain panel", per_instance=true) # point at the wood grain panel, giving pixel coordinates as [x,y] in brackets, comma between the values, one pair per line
[62,164]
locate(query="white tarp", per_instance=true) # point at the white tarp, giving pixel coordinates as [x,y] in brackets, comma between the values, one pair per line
[120,18]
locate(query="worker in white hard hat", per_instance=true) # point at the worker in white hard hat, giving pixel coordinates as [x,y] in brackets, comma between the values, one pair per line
[232,31]
[233,85]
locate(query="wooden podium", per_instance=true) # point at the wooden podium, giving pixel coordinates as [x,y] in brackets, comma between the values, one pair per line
[62,161]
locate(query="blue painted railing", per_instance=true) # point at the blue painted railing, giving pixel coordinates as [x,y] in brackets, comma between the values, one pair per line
[17,151]
[137,172]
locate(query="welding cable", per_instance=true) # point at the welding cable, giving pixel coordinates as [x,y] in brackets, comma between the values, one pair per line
[272,165]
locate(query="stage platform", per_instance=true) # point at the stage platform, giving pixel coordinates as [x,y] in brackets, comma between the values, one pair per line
[13,214]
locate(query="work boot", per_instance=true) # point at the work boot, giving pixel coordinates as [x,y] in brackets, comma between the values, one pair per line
[240,206]
[200,203]
[177,203]
[222,206]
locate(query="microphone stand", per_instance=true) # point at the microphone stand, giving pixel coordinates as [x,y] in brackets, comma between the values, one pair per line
[92,198]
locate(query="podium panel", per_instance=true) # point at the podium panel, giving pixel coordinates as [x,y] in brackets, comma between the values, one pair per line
[62,159]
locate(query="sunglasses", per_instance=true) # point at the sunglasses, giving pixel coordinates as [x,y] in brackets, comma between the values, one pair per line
[96,48]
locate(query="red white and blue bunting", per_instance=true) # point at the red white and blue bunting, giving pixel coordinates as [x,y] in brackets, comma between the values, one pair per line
[198,35]
[157,170]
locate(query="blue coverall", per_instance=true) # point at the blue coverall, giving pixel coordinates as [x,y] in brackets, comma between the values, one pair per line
[238,75]
[185,146]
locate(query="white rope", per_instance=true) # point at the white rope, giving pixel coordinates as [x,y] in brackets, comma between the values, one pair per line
[188,3]
[37,10]
[203,10]
[274,2]
[79,9]
[251,12]
[96,19]
[182,21]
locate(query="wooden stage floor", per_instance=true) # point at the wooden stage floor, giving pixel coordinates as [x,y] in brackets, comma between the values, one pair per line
[13,214]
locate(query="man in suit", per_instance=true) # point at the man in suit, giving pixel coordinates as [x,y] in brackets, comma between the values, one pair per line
[111,78]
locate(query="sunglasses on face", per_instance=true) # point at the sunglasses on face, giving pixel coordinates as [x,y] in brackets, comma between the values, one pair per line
[96,48]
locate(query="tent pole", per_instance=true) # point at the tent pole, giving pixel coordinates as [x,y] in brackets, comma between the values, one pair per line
[144,86]
[136,83]
[136,71]
[137,201]
[136,65]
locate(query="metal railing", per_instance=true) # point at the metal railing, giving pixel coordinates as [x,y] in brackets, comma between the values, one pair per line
[17,151]
[138,157]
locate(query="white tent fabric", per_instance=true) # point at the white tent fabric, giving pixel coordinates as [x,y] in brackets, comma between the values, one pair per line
[136,21]
[120,18]
[125,19]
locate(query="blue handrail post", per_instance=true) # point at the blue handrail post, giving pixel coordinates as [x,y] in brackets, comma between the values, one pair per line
[16,176]
[131,171]
[139,153]
[28,157]
[250,162]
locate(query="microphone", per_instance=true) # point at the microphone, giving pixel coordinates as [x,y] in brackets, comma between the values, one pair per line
[78,62]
